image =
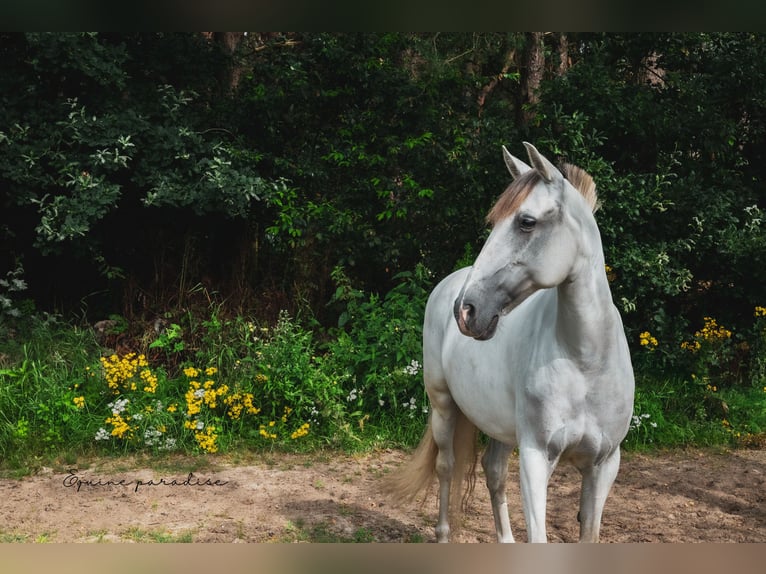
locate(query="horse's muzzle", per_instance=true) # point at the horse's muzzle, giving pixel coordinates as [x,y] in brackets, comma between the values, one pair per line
[465,315]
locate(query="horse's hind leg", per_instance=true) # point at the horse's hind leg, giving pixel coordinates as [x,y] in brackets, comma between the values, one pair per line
[596,482]
[443,422]
[495,464]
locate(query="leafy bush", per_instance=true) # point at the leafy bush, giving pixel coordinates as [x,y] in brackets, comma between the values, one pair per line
[702,399]
[378,346]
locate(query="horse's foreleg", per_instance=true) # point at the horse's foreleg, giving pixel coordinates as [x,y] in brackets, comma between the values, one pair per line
[535,472]
[495,464]
[596,483]
[443,422]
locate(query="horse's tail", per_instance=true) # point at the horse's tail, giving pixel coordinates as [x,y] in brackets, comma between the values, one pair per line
[418,473]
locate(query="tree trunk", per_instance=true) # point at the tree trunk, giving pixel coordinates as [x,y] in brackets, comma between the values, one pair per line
[510,59]
[563,48]
[533,76]
[229,42]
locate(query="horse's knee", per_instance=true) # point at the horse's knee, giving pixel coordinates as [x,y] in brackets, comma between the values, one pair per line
[495,465]
[445,462]
[495,479]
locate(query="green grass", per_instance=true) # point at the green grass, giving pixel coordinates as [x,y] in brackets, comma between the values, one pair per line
[12,537]
[677,413]
[156,536]
[322,532]
[49,363]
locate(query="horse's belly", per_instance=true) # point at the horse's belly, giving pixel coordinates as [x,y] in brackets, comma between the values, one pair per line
[499,424]
[482,394]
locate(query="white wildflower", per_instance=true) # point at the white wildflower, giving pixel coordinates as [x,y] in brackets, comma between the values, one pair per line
[119,406]
[170,444]
[413,368]
[102,434]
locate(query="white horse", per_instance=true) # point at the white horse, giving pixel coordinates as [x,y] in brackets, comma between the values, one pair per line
[528,346]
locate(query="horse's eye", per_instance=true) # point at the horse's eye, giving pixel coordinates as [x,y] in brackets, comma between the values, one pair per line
[527,222]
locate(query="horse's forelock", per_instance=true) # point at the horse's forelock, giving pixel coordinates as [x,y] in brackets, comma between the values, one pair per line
[515,194]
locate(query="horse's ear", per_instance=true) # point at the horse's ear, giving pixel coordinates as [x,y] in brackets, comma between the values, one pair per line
[547,170]
[514,164]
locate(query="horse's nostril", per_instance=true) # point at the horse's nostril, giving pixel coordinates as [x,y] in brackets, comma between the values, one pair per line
[467,311]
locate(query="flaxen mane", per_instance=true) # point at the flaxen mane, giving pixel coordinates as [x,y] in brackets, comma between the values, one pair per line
[515,194]
[582,181]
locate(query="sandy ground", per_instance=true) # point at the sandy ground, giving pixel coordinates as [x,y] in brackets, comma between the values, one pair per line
[678,496]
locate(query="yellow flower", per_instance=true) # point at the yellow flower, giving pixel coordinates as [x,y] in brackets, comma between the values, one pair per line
[264,433]
[209,398]
[206,440]
[191,372]
[172,408]
[302,431]
[760,311]
[120,373]
[150,381]
[237,403]
[210,371]
[647,340]
[120,427]
[79,402]
[712,331]
[694,346]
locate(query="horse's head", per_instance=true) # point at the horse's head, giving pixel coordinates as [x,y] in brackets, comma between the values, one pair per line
[534,244]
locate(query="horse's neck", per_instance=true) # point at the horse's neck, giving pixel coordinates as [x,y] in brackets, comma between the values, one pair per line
[585,317]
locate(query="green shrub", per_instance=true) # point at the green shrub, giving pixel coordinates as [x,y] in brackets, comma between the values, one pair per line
[378,347]
[234,383]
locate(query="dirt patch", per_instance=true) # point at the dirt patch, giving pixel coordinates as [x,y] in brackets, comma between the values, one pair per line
[679,496]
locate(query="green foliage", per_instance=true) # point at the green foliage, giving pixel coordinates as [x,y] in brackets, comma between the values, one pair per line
[706,400]
[105,139]
[378,346]
[292,377]
[171,339]
[38,364]
[10,286]
[242,384]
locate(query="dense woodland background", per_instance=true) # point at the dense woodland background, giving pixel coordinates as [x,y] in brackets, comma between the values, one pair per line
[140,172]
